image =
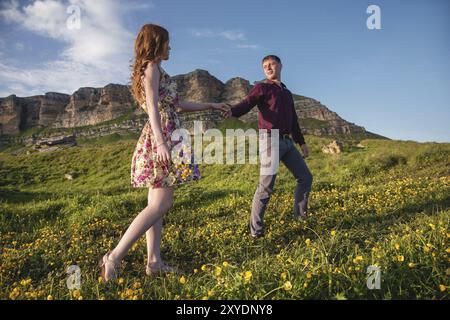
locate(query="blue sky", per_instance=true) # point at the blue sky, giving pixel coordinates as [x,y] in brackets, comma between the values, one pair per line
[394,81]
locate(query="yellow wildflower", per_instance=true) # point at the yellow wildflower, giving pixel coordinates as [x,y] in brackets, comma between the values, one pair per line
[14,294]
[76,294]
[247,276]
[25,282]
[287,286]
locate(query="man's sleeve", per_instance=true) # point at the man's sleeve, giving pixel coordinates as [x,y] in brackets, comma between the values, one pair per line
[296,131]
[253,98]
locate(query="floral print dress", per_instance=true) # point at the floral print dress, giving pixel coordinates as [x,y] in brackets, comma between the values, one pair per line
[145,170]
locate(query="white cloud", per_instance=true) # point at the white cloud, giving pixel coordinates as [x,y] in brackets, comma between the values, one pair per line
[203,33]
[137,5]
[231,35]
[248,46]
[58,76]
[44,17]
[19,46]
[97,53]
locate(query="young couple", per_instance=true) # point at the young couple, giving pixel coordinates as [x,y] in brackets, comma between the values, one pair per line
[153,166]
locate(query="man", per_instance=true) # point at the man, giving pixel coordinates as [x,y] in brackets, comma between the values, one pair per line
[276,111]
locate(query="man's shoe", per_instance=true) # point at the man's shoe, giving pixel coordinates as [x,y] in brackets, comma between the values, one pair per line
[300,217]
[252,236]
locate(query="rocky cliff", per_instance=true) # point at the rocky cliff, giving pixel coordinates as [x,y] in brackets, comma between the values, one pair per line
[91,106]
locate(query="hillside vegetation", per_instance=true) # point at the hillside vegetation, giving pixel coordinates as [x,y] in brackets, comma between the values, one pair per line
[386,205]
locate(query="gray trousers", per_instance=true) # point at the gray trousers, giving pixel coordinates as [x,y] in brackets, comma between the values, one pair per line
[293,160]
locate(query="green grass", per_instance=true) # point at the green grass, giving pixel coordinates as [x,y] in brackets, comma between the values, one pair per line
[312,123]
[235,123]
[386,204]
[31,131]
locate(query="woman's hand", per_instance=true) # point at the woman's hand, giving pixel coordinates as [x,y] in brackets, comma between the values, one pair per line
[163,154]
[224,108]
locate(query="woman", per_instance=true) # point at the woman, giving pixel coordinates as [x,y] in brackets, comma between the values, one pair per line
[152,165]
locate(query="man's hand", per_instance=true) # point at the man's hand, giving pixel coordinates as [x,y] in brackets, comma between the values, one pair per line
[305,150]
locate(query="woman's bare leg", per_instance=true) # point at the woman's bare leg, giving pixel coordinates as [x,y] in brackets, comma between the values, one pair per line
[162,199]
[153,236]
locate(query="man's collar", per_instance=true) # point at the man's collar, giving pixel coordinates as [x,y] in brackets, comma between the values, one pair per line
[273,82]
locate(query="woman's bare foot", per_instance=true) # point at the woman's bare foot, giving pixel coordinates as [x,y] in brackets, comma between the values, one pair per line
[157,267]
[108,268]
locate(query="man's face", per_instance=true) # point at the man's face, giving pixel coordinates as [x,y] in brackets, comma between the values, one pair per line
[272,69]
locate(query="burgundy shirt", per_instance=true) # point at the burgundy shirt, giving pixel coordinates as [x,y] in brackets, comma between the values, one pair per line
[276,109]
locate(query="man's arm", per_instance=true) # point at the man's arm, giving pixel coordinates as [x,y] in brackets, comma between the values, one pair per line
[253,98]
[297,134]
[296,131]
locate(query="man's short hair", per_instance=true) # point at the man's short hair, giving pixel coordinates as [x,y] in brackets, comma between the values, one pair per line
[271,56]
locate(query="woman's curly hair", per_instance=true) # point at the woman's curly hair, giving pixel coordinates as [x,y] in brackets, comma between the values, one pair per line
[148,47]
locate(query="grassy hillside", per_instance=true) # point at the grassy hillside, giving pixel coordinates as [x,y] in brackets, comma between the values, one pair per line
[386,205]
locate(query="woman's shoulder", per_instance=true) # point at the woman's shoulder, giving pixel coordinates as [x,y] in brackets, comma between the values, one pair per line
[152,69]
[155,71]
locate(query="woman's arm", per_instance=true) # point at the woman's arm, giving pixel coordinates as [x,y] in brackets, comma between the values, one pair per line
[151,87]
[186,106]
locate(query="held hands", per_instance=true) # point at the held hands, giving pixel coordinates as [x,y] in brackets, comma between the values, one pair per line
[224,108]
[163,154]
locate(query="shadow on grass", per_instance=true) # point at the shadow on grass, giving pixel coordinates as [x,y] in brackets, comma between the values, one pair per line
[17,196]
[370,226]
[194,199]
[373,225]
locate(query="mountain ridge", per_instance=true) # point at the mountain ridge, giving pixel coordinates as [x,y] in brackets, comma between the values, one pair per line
[91,106]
